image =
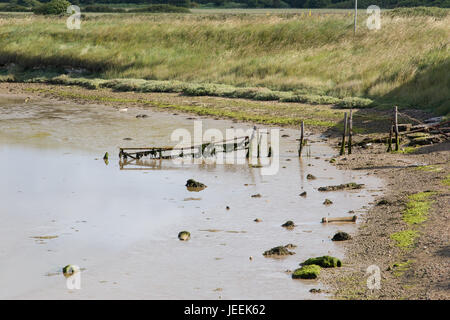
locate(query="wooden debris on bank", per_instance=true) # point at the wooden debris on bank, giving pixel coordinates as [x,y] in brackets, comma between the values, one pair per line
[339,219]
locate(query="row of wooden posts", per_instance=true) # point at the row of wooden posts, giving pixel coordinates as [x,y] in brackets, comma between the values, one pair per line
[348,128]
[348,132]
[197,150]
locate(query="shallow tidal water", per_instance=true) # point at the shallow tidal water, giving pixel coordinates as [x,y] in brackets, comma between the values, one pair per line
[62,204]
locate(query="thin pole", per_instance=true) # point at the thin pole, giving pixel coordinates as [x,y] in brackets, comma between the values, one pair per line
[350,131]
[397,142]
[390,139]
[343,135]
[356,14]
[302,133]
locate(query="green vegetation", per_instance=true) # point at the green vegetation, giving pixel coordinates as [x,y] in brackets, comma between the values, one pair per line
[54,7]
[276,3]
[324,261]
[307,272]
[189,89]
[102,8]
[405,239]
[415,213]
[288,57]
[417,208]
[406,150]
[429,168]
[419,11]
[400,268]
[239,110]
[446,180]
[154,8]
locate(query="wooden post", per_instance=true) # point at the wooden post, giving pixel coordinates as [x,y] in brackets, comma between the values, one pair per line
[356,17]
[343,135]
[397,141]
[390,139]
[258,139]
[350,131]
[302,136]
[251,144]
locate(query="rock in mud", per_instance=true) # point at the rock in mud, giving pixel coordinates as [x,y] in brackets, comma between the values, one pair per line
[193,185]
[344,186]
[341,236]
[303,194]
[256,195]
[310,177]
[307,272]
[314,290]
[332,160]
[142,116]
[70,270]
[324,262]
[184,235]
[382,202]
[278,251]
[288,224]
[257,220]
[327,202]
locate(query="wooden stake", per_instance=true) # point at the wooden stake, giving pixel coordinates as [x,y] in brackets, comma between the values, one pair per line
[251,144]
[350,131]
[397,141]
[302,135]
[258,140]
[343,135]
[390,139]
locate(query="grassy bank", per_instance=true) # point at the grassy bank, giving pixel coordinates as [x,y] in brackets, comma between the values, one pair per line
[292,56]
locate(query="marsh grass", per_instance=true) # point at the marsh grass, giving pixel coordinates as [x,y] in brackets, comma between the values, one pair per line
[287,57]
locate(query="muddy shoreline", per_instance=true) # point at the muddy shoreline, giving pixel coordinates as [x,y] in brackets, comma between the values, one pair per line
[425,276]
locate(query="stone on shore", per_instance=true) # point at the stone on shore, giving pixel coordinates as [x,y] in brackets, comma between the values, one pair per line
[341,236]
[278,251]
[184,235]
[324,262]
[307,272]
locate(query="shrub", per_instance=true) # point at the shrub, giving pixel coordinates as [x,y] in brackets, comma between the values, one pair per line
[29,3]
[354,102]
[162,8]
[54,7]
[99,8]
[14,8]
